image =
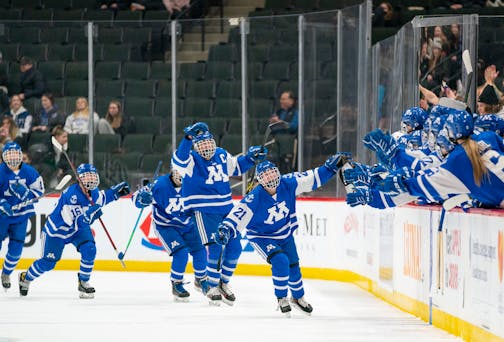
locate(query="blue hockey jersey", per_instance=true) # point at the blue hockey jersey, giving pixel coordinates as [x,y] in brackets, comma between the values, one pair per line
[26,175]
[168,206]
[206,182]
[455,176]
[62,222]
[263,216]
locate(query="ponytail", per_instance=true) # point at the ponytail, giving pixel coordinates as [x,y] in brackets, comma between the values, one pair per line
[479,169]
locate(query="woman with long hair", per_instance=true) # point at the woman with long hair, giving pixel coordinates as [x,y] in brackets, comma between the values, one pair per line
[78,121]
[49,115]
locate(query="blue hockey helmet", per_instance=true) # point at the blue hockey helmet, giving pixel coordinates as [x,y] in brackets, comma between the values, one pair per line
[414,140]
[12,155]
[268,175]
[443,142]
[459,124]
[436,111]
[413,117]
[88,175]
[204,144]
[490,122]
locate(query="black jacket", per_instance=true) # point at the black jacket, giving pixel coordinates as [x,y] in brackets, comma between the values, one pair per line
[32,83]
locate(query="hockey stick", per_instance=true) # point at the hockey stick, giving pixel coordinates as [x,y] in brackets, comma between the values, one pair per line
[275,125]
[62,183]
[121,254]
[60,148]
[272,141]
[466,59]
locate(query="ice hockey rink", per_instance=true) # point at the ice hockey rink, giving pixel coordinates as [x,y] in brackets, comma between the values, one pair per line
[139,307]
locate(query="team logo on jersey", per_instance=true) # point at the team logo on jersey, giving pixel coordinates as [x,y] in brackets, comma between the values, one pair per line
[174,244]
[73,199]
[249,198]
[216,174]
[277,213]
[174,205]
[50,256]
[269,248]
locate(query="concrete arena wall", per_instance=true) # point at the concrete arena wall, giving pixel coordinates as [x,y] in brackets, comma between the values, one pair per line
[392,253]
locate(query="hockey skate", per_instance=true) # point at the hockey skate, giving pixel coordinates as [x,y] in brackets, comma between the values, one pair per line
[228,296]
[214,295]
[302,305]
[23,284]
[86,291]
[180,294]
[283,305]
[6,281]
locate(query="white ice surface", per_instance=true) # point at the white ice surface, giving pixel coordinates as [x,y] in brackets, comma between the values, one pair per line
[139,307]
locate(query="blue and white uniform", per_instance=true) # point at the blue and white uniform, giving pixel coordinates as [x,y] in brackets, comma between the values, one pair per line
[269,222]
[14,226]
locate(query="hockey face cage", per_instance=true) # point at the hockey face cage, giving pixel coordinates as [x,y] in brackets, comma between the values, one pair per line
[269,178]
[205,148]
[12,158]
[176,177]
[90,180]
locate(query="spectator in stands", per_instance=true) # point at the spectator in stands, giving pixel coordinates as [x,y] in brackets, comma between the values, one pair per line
[287,112]
[490,76]
[175,6]
[32,83]
[435,71]
[385,16]
[115,121]
[114,5]
[488,102]
[424,59]
[49,115]
[8,131]
[20,114]
[78,121]
[4,81]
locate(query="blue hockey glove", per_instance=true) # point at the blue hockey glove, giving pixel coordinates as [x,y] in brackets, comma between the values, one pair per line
[257,153]
[121,189]
[359,172]
[19,190]
[361,196]
[5,208]
[392,185]
[377,140]
[377,173]
[90,215]
[196,129]
[223,234]
[336,161]
[143,198]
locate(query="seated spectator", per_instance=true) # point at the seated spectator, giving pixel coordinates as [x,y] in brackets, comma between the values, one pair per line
[48,116]
[115,121]
[385,16]
[287,112]
[78,121]
[31,82]
[114,5]
[488,102]
[20,114]
[8,131]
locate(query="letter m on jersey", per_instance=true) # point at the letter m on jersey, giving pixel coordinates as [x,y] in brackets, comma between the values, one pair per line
[277,213]
[174,205]
[216,174]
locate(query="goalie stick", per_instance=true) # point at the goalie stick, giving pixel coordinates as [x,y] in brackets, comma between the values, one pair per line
[62,183]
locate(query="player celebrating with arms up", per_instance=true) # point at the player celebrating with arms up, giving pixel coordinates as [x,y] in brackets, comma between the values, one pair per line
[19,182]
[268,215]
[70,222]
[207,195]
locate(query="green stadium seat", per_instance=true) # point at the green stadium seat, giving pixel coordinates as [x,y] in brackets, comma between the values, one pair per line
[120,53]
[164,89]
[81,52]
[129,160]
[287,86]
[69,102]
[25,35]
[56,87]
[141,88]
[162,144]
[10,52]
[183,123]
[330,71]
[254,71]
[232,143]
[135,71]
[57,4]
[161,70]
[105,18]
[58,52]
[138,106]
[197,107]
[283,54]
[76,88]
[39,138]
[137,36]
[223,53]
[258,53]
[36,52]
[128,19]
[106,143]
[107,70]
[78,142]
[84,4]
[263,89]
[52,70]
[276,71]
[10,14]
[217,125]
[219,71]
[54,35]
[150,163]
[274,4]
[107,35]
[32,104]
[148,124]
[265,36]
[138,143]
[200,89]
[112,88]
[78,35]
[37,17]
[227,108]
[68,18]
[77,70]
[192,71]
[324,89]
[229,89]
[260,108]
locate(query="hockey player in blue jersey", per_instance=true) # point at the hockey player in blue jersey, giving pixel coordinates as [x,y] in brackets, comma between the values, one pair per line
[177,232]
[268,216]
[19,182]
[207,195]
[70,222]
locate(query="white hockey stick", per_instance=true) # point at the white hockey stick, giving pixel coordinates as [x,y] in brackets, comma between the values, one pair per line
[466,59]
[62,183]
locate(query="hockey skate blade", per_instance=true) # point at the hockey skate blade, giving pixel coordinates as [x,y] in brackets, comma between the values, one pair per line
[300,309]
[212,302]
[83,295]
[180,299]
[227,301]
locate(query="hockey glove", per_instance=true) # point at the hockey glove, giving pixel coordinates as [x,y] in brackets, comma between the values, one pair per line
[359,172]
[336,161]
[392,185]
[143,198]
[257,153]
[223,234]
[196,129]
[5,208]
[361,196]
[377,140]
[377,173]
[19,190]
[90,215]
[121,189]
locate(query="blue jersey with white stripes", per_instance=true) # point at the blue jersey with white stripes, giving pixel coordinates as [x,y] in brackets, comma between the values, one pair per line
[206,182]
[26,175]
[62,222]
[264,216]
[168,206]
[455,174]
